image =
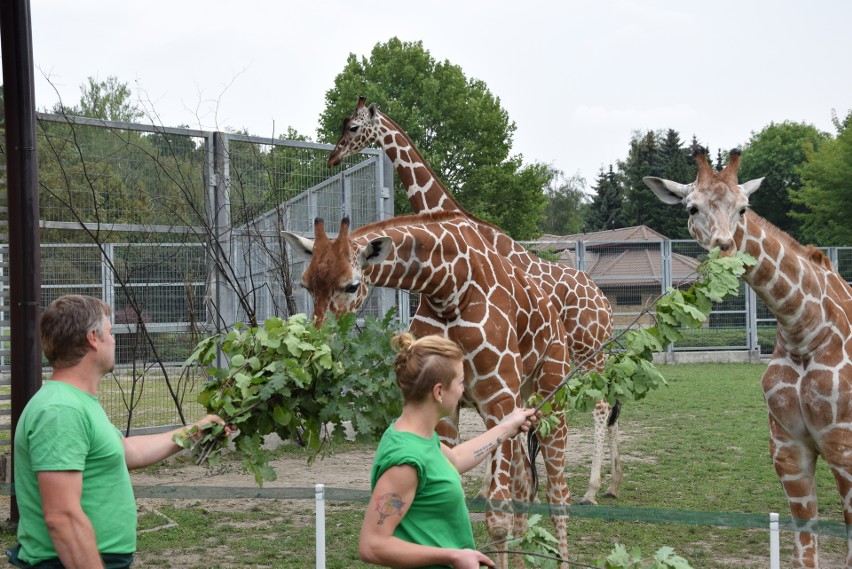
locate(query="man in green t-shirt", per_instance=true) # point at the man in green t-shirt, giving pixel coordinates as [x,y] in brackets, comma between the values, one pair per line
[72,480]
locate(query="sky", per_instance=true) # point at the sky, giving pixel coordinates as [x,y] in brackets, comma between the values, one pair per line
[576,78]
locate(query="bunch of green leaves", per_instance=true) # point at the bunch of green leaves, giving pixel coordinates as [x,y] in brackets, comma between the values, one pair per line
[629,372]
[541,547]
[664,558]
[302,383]
[541,550]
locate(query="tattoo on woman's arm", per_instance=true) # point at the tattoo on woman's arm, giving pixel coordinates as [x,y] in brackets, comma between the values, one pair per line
[487,448]
[390,504]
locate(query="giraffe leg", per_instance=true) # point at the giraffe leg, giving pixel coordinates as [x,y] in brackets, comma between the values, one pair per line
[558,494]
[843,477]
[521,493]
[616,475]
[795,464]
[600,415]
[499,517]
[837,452]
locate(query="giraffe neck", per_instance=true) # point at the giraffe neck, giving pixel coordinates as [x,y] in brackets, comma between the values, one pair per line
[792,280]
[425,191]
[442,258]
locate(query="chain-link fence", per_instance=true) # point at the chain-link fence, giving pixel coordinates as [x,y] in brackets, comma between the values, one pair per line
[633,275]
[179,231]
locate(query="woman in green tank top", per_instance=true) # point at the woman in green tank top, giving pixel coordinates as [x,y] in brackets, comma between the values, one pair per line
[417,516]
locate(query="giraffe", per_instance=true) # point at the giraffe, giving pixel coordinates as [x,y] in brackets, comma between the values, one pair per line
[582,307]
[808,383]
[511,335]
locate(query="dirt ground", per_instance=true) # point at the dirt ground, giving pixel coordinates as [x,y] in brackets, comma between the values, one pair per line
[350,470]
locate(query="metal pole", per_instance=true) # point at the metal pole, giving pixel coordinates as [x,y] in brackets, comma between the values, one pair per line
[320,502]
[774,542]
[22,173]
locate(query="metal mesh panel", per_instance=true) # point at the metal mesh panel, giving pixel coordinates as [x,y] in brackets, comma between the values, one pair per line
[364,202]
[630,275]
[844,263]
[164,282]
[70,269]
[109,174]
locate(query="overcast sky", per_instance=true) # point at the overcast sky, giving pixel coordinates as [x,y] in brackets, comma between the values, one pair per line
[577,78]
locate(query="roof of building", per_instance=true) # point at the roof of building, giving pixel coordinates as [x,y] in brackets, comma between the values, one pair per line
[611,263]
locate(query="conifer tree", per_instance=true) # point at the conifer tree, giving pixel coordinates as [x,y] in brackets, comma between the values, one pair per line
[606,209]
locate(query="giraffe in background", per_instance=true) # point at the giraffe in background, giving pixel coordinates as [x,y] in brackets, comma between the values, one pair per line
[808,384]
[511,335]
[582,307]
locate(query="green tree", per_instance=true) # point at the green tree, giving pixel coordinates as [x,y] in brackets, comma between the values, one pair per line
[457,124]
[776,154]
[566,204]
[606,211]
[109,100]
[676,160]
[825,197]
[654,154]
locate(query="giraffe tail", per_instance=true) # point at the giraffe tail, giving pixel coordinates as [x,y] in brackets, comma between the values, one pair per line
[534,447]
[613,415]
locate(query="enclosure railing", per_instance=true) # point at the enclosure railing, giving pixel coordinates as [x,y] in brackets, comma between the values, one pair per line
[321,494]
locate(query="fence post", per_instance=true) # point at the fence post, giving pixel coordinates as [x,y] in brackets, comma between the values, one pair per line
[320,509]
[752,337]
[218,206]
[774,542]
[666,273]
[107,276]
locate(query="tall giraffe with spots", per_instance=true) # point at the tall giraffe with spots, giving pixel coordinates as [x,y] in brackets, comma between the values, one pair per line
[511,335]
[582,307]
[808,384]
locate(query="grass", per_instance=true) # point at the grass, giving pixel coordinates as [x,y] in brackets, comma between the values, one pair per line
[698,446]
[153,405]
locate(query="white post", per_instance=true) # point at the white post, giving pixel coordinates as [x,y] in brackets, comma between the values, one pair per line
[320,501]
[774,543]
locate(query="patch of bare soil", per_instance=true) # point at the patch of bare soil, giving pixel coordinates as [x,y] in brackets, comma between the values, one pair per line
[351,469]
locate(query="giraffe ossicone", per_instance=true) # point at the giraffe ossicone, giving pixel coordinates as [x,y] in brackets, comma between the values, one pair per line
[583,308]
[808,383]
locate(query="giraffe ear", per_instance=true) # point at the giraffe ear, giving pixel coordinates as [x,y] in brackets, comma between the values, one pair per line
[669,192]
[376,251]
[749,187]
[373,109]
[301,246]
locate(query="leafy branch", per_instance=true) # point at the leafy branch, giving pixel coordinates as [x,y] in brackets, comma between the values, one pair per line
[540,550]
[629,372]
[297,381]
[664,558]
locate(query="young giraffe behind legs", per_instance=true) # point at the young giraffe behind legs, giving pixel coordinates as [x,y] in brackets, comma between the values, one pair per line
[582,307]
[509,332]
[808,384]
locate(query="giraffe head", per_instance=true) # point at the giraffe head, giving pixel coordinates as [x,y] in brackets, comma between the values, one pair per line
[360,130]
[333,274]
[715,200]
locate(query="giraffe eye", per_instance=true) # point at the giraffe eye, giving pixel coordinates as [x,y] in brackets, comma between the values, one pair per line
[742,212]
[693,210]
[353,128]
[351,289]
